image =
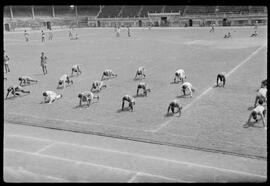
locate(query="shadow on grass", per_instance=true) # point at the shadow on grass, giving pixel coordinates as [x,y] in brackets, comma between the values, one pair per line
[139,96]
[14,97]
[84,106]
[182,96]
[41,74]
[252,124]
[26,85]
[172,114]
[218,86]
[126,109]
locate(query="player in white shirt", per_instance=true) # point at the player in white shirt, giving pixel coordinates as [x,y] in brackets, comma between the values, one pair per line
[180,75]
[76,68]
[261,95]
[174,104]
[50,96]
[221,77]
[87,96]
[258,110]
[130,100]
[144,86]
[26,80]
[64,79]
[109,74]
[187,86]
[14,90]
[140,72]
[97,86]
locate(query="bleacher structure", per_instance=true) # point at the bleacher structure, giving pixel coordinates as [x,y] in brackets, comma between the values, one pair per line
[137,15]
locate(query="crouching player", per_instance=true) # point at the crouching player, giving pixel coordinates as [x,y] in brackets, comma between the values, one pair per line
[259,110]
[26,80]
[63,80]
[140,72]
[261,95]
[174,104]
[187,86]
[264,83]
[97,86]
[144,86]
[221,77]
[130,100]
[179,74]
[109,74]
[87,96]
[50,96]
[228,35]
[14,90]
[254,34]
[76,68]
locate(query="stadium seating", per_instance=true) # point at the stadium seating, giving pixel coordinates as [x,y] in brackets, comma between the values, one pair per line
[6,12]
[150,9]
[200,10]
[43,11]
[88,10]
[130,11]
[169,9]
[257,9]
[22,11]
[64,11]
[233,9]
[110,11]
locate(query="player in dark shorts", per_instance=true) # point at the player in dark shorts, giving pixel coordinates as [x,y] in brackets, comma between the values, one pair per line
[26,80]
[43,63]
[87,96]
[130,100]
[258,111]
[14,90]
[42,36]
[109,74]
[97,86]
[64,79]
[174,105]
[140,73]
[221,77]
[76,69]
[144,86]
[254,34]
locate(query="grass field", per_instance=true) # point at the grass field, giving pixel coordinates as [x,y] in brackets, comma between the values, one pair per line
[214,119]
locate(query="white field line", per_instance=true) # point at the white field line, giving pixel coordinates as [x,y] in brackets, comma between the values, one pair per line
[84,163]
[133,178]
[142,156]
[162,125]
[45,148]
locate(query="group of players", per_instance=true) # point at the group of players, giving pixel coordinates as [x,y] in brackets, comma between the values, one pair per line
[97,86]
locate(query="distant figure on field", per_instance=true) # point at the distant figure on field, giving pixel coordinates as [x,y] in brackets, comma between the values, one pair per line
[187,87]
[180,75]
[261,95]
[144,86]
[98,86]
[50,34]
[128,31]
[264,83]
[87,96]
[254,34]
[221,78]
[64,79]
[228,35]
[43,63]
[140,73]
[26,36]
[258,111]
[212,27]
[50,96]
[109,74]
[14,90]
[26,80]
[130,100]
[118,31]
[174,105]
[6,62]
[76,69]
[42,36]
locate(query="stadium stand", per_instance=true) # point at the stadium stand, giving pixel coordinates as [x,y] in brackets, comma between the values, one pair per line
[109,11]
[64,11]
[7,12]
[22,11]
[150,9]
[88,10]
[43,11]
[256,9]
[200,10]
[169,9]
[130,11]
[233,9]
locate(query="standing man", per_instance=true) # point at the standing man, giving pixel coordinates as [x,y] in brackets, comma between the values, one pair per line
[6,60]
[50,34]
[26,36]
[42,36]
[43,63]
[128,31]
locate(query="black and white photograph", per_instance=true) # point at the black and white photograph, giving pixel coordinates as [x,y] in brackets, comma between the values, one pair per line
[134,93]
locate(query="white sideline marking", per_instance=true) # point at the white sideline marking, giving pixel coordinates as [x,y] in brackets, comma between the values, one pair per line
[211,87]
[133,178]
[84,163]
[142,156]
[45,148]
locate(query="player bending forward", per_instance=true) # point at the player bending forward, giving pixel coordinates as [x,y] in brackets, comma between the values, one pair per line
[264,83]
[130,100]
[187,86]
[261,95]
[50,96]
[254,34]
[64,79]
[76,68]
[221,78]
[26,80]
[97,86]
[174,104]
[14,90]
[258,110]
[228,35]
[144,86]
[140,72]
[87,96]
[109,74]
[180,75]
